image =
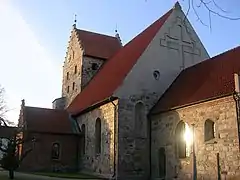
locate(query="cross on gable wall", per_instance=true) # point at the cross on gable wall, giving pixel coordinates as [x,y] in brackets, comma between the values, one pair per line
[179,38]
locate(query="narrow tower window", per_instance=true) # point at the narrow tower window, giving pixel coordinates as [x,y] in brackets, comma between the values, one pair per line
[73,87]
[68,89]
[75,70]
[67,75]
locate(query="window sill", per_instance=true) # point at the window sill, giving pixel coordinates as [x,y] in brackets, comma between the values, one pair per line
[185,159]
[56,159]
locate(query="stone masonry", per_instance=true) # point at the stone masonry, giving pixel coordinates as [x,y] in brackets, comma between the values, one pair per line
[78,69]
[133,148]
[226,142]
[73,58]
[103,163]
[90,67]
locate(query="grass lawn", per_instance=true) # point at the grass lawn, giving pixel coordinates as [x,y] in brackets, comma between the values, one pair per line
[5,177]
[67,175]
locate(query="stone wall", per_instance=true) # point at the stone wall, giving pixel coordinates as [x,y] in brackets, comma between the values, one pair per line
[103,163]
[133,140]
[73,58]
[90,67]
[80,68]
[226,142]
[59,103]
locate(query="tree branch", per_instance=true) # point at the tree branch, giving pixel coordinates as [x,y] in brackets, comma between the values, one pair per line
[196,13]
[218,7]
[217,13]
[3,121]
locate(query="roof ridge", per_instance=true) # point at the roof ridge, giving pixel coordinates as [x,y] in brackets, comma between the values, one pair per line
[96,33]
[42,108]
[212,58]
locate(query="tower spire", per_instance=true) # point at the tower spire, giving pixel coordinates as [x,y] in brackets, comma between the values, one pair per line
[75,21]
[117,35]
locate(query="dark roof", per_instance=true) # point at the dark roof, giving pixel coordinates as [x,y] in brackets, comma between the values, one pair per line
[47,120]
[98,45]
[113,72]
[7,132]
[209,79]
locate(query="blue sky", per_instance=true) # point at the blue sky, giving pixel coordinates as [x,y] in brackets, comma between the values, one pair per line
[34,36]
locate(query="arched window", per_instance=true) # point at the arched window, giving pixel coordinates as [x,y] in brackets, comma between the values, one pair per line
[98,138]
[162,162]
[83,138]
[183,136]
[140,119]
[209,130]
[56,151]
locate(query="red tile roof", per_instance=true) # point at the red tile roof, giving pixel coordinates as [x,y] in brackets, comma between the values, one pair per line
[98,45]
[113,72]
[211,78]
[47,120]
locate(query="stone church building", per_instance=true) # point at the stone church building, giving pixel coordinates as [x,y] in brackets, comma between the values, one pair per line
[158,107]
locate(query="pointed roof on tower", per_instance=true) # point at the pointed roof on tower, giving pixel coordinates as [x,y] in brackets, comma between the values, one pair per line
[95,44]
[98,45]
[114,71]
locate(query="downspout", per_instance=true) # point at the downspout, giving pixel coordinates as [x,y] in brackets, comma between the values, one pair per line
[236,97]
[77,131]
[150,146]
[115,172]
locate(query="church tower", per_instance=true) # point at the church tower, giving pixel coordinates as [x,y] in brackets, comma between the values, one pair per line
[86,53]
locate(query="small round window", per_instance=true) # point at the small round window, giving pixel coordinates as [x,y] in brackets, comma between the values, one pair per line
[156,75]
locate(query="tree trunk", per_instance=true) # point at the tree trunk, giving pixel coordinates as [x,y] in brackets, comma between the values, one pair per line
[11,174]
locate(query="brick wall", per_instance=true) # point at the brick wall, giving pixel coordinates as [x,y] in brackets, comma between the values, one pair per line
[40,158]
[226,142]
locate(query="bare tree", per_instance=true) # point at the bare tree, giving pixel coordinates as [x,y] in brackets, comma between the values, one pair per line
[12,151]
[3,107]
[2,102]
[211,7]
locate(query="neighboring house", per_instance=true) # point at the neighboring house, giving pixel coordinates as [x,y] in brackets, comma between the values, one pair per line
[111,118]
